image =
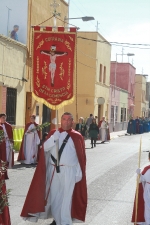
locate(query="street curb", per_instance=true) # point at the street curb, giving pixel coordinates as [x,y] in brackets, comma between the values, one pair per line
[112,138]
[119,135]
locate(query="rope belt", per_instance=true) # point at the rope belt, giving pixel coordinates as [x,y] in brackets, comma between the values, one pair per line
[51,182]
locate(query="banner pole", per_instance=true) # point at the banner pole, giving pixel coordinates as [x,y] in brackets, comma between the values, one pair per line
[76,84]
[137,184]
[57,143]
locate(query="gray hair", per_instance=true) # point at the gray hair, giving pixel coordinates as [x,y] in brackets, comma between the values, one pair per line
[68,114]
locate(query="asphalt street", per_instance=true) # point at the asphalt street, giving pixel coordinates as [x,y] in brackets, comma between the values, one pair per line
[111,181]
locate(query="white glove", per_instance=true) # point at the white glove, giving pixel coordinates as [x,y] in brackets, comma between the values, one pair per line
[138,171]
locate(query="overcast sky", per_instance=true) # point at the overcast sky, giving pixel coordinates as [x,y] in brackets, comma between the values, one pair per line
[123,21]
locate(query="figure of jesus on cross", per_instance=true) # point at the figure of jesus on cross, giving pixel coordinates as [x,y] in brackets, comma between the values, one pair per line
[53,55]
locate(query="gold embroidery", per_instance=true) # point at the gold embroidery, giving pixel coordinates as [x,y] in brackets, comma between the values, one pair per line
[68,45]
[62,71]
[40,44]
[44,70]
[37,81]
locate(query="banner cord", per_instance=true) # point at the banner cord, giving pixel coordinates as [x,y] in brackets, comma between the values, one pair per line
[45,20]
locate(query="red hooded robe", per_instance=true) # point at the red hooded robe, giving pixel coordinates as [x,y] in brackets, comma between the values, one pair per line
[35,200]
[4,216]
[10,135]
[21,155]
[140,205]
[3,152]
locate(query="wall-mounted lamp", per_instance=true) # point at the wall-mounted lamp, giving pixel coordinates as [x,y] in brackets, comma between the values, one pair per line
[24,80]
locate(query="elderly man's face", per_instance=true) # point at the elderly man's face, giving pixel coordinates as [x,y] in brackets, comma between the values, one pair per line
[66,122]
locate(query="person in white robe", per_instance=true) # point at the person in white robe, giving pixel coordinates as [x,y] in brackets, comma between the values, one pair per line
[145,179]
[60,186]
[103,127]
[31,140]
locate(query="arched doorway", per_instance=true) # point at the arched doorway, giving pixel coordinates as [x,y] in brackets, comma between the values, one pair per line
[100,102]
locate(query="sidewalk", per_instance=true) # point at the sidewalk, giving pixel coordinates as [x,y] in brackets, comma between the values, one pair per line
[117,134]
[113,135]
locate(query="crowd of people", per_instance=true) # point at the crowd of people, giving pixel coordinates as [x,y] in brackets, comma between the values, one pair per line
[139,125]
[59,184]
[91,128]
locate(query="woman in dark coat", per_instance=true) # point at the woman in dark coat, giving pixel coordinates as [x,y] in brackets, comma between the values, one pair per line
[80,127]
[93,132]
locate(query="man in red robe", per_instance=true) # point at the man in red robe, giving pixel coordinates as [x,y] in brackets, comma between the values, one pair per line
[58,188]
[8,133]
[30,141]
[3,150]
[141,209]
[4,216]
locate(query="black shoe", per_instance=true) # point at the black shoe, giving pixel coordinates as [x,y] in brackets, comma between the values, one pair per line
[102,142]
[53,223]
[92,146]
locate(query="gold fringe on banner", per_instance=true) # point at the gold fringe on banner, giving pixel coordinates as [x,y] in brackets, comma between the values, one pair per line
[54,107]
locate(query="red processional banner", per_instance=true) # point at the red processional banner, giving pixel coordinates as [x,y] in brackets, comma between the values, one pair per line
[53,67]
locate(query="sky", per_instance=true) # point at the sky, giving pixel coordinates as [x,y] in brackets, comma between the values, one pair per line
[17,16]
[122,21]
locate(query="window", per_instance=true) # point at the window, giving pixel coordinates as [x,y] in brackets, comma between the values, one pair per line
[100,73]
[11,105]
[104,75]
[123,115]
[37,110]
[114,109]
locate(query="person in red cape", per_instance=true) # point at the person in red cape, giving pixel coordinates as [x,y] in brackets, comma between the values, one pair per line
[141,209]
[3,151]
[58,188]
[4,208]
[30,141]
[104,130]
[8,133]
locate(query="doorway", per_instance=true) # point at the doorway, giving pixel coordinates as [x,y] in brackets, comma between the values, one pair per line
[46,117]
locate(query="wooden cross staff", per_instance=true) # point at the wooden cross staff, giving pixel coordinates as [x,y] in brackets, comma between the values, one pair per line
[137,184]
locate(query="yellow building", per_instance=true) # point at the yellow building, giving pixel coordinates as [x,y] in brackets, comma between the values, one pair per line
[93,76]
[12,80]
[141,104]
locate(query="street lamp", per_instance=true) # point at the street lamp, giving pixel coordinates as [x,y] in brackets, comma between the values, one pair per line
[85,18]
[128,54]
[8,21]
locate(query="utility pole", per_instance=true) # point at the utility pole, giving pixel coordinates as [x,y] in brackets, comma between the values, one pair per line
[97,26]
[122,53]
[8,22]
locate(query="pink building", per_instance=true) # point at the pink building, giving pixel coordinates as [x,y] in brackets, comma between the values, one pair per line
[122,75]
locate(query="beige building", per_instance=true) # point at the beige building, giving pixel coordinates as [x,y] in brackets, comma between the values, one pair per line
[141,107]
[13,57]
[93,76]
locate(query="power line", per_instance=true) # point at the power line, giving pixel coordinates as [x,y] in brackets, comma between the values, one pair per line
[130,45]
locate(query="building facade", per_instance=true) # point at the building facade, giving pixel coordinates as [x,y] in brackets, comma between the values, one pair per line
[92,76]
[141,108]
[148,95]
[122,75]
[118,105]
[12,80]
